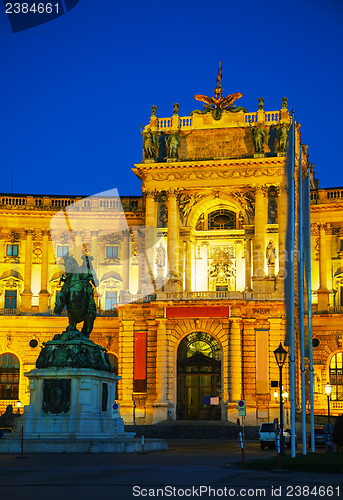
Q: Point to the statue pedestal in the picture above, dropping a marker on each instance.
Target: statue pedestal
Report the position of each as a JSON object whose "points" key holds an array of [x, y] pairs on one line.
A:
{"points": [[72, 403]]}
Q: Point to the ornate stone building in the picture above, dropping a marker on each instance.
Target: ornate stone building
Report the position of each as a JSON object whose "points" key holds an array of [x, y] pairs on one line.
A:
{"points": [[191, 275]]}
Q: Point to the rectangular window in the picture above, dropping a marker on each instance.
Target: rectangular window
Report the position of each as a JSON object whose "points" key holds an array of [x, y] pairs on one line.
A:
{"points": [[62, 251], [12, 250], [111, 252], [111, 300], [140, 362], [10, 299]]}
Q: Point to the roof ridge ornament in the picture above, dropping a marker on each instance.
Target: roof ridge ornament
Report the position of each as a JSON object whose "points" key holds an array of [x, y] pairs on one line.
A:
{"points": [[217, 104]]}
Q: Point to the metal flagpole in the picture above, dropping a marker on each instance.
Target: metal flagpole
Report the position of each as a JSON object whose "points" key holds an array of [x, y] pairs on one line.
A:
{"points": [[309, 302], [291, 282], [301, 301]]}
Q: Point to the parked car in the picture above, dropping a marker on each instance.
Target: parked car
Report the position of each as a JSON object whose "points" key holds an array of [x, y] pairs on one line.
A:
{"points": [[267, 436], [319, 437]]}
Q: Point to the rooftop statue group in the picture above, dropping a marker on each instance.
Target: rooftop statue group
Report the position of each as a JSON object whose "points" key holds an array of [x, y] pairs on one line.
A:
{"points": [[161, 146], [158, 145]]}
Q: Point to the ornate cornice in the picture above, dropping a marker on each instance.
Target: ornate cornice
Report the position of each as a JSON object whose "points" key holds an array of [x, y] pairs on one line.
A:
{"points": [[207, 175]]}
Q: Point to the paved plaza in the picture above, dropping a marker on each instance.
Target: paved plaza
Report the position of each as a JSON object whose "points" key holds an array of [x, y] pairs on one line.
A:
{"points": [[186, 469]]}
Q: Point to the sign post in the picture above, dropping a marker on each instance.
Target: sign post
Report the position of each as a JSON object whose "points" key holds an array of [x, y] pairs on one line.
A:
{"points": [[241, 413]]}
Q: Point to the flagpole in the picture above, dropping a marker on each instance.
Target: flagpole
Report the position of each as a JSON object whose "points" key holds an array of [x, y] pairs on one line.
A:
{"points": [[291, 281], [309, 301], [301, 301]]}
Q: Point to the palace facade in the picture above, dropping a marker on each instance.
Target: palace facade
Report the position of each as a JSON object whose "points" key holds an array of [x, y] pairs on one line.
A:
{"points": [[191, 276]]}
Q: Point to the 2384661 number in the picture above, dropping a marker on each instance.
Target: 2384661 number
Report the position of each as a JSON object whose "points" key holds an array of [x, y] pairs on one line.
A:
{"points": [[34, 8]]}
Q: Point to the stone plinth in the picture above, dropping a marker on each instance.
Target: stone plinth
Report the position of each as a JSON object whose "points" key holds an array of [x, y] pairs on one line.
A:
{"points": [[71, 403]]}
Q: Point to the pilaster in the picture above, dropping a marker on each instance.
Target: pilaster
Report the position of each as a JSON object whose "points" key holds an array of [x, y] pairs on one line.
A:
{"points": [[44, 294], [162, 404], [322, 292], [126, 357], [26, 296]]}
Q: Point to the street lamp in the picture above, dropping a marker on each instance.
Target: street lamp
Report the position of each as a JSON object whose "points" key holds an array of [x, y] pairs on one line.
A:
{"points": [[18, 406], [280, 355], [328, 389]]}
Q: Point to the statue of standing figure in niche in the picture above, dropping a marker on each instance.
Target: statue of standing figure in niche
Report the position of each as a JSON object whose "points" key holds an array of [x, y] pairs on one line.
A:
{"points": [[282, 136], [270, 253], [173, 144], [160, 256], [259, 137]]}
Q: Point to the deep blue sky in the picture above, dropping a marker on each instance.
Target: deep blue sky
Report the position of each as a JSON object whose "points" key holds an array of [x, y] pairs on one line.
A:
{"points": [[74, 90]]}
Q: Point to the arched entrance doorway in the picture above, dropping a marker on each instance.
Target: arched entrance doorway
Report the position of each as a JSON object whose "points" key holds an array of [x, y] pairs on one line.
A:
{"points": [[198, 378]]}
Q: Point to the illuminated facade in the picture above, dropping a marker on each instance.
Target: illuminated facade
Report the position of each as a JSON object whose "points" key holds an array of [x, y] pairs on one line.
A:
{"points": [[203, 337]]}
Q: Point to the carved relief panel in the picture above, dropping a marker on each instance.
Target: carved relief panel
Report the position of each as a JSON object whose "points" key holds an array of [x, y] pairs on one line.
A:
{"points": [[222, 268]]}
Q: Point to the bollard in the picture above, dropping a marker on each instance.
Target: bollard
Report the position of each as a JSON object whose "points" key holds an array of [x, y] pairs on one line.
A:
{"points": [[278, 447], [22, 441], [142, 443], [241, 439]]}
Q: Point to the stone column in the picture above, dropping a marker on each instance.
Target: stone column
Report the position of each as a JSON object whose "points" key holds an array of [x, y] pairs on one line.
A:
{"points": [[248, 264], [2, 247], [322, 292], [161, 405], [259, 239], [126, 261], [94, 253], [44, 294], [189, 255], [125, 368], [78, 248], [173, 236], [141, 258], [26, 296], [150, 229]]}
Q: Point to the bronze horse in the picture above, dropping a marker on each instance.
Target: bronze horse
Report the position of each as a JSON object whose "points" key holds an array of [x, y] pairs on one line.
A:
{"points": [[78, 297]]}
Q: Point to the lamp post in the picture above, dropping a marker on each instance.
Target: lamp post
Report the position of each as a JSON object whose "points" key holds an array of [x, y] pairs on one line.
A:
{"points": [[328, 389], [280, 355], [18, 407]]}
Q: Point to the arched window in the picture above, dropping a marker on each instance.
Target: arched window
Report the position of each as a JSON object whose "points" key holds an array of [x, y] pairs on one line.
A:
{"points": [[9, 376], [222, 219], [336, 379], [114, 362]]}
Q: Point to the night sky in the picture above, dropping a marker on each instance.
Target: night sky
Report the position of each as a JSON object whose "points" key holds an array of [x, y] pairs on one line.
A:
{"points": [[75, 90]]}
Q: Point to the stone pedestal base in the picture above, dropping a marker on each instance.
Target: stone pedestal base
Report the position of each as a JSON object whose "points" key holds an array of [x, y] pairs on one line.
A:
{"points": [[173, 285], [72, 403], [162, 410], [26, 301], [323, 300], [264, 284], [43, 302]]}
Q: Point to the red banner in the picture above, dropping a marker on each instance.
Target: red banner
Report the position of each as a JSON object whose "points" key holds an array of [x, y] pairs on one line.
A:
{"points": [[140, 356]]}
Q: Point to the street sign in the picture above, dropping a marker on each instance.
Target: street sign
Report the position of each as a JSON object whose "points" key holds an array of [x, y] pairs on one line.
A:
{"points": [[241, 408], [115, 408]]}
